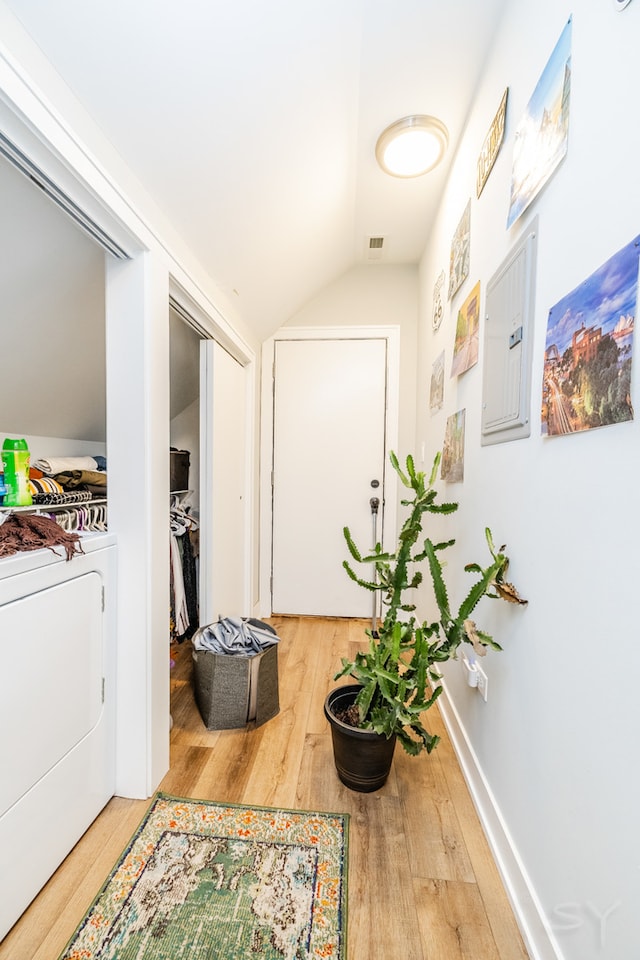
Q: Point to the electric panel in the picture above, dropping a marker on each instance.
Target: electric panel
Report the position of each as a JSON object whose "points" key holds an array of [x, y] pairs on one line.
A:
{"points": [[508, 332]]}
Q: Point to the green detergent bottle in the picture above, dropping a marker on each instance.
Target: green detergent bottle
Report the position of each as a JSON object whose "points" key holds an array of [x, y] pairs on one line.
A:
{"points": [[16, 459]]}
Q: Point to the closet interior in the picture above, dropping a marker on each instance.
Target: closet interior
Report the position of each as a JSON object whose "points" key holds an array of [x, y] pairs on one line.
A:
{"points": [[52, 386], [184, 502]]}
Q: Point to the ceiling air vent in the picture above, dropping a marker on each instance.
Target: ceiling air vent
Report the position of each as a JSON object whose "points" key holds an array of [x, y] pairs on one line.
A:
{"points": [[374, 248]]}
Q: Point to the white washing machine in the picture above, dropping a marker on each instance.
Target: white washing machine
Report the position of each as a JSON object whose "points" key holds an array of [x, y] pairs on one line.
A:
{"points": [[57, 724]]}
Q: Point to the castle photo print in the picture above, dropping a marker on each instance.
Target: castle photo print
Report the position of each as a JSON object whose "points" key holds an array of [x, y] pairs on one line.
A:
{"points": [[589, 349]]}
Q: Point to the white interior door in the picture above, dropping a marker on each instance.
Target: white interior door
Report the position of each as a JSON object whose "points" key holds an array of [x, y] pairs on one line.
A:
{"points": [[328, 447], [223, 425]]}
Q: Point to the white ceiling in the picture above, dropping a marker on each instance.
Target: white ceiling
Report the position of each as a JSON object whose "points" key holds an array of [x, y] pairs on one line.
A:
{"points": [[253, 123]]}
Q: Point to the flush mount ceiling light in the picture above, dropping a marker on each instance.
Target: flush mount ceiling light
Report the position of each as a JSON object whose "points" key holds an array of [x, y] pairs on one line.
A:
{"points": [[412, 146]]}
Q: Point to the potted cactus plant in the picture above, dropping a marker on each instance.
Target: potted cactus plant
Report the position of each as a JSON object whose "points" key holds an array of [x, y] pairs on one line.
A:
{"points": [[396, 678]]}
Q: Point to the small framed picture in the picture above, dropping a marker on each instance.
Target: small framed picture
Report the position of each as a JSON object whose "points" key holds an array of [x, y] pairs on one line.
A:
{"points": [[452, 467], [438, 306], [459, 257]]}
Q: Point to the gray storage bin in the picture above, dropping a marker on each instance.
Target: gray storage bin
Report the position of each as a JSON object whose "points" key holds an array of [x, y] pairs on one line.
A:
{"points": [[233, 689]]}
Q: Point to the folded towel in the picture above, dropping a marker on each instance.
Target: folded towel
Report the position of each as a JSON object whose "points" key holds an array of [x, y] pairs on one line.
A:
{"points": [[71, 479], [52, 465], [96, 489]]}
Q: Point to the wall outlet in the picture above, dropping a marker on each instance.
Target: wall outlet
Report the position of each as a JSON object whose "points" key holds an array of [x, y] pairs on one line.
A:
{"points": [[469, 670], [483, 682]]}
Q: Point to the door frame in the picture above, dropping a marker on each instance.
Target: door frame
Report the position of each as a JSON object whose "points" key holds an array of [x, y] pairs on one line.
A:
{"points": [[389, 333], [209, 606], [210, 332]]}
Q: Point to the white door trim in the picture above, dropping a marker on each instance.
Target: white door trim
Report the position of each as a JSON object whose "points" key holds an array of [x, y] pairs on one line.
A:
{"points": [[209, 606], [210, 325], [389, 333], [206, 459]]}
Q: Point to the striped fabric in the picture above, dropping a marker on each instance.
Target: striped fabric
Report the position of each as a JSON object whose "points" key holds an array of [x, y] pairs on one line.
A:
{"points": [[55, 499], [45, 485]]}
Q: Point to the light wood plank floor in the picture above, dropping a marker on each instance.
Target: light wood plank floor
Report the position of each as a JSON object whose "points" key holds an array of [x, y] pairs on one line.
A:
{"points": [[422, 884]]}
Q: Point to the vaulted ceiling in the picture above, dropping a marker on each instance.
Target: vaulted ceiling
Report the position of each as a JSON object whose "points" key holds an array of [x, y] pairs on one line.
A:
{"points": [[253, 123]]}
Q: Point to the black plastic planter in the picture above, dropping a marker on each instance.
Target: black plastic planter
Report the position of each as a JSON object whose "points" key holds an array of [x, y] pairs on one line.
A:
{"points": [[362, 757]]}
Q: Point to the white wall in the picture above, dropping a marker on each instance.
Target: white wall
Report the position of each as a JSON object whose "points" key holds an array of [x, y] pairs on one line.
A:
{"points": [[185, 435], [52, 377], [185, 397], [557, 740], [375, 295], [40, 447]]}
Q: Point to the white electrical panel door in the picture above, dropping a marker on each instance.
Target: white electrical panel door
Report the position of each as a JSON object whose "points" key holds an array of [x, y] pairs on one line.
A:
{"points": [[506, 388]]}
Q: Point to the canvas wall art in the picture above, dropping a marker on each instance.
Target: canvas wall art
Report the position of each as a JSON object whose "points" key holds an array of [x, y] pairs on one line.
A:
{"points": [[542, 134], [452, 466], [589, 349], [465, 348], [436, 390], [459, 257], [438, 304], [491, 146]]}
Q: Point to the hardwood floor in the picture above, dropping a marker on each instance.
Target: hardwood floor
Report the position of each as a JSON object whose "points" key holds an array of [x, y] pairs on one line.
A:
{"points": [[422, 883]]}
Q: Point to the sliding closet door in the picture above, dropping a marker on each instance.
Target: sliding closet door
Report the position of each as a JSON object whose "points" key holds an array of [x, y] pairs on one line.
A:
{"points": [[223, 426]]}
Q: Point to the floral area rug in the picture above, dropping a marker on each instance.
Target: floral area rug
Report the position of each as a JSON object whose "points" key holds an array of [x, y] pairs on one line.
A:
{"points": [[213, 881]]}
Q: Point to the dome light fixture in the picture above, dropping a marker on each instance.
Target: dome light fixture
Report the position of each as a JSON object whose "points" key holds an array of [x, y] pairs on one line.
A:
{"points": [[412, 146]]}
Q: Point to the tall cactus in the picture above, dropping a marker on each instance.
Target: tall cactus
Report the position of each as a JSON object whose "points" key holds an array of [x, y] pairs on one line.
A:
{"points": [[397, 672]]}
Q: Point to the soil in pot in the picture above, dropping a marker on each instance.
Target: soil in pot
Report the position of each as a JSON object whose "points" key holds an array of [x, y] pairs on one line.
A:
{"points": [[350, 715]]}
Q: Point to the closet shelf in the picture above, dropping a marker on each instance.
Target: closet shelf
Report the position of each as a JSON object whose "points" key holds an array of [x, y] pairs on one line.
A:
{"points": [[53, 507]]}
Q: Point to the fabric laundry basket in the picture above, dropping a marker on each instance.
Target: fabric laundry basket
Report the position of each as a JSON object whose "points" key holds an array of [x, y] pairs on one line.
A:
{"points": [[235, 673]]}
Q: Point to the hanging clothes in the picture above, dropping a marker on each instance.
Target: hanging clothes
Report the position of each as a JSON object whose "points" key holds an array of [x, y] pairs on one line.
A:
{"points": [[180, 613], [184, 613], [190, 580]]}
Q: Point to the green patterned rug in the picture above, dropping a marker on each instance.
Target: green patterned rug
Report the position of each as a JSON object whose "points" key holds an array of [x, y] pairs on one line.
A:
{"points": [[214, 881]]}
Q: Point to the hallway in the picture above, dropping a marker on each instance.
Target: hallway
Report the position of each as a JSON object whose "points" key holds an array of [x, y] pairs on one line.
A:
{"points": [[422, 884]]}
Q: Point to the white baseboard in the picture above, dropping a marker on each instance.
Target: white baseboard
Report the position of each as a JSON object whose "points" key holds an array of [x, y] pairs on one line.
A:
{"points": [[536, 933]]}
